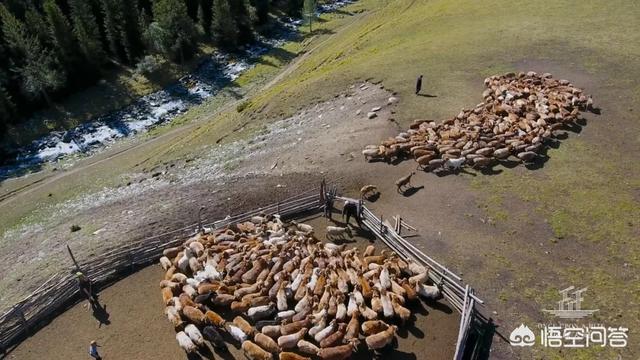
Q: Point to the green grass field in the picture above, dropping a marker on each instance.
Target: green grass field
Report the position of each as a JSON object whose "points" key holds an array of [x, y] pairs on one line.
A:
{"points": [[588, 193]]}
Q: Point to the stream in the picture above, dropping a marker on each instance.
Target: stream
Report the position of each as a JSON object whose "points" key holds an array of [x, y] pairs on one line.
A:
{"points": [[212, 75]]}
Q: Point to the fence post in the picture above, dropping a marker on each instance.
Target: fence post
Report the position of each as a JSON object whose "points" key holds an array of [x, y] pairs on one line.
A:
{"points": [[73, 259]]}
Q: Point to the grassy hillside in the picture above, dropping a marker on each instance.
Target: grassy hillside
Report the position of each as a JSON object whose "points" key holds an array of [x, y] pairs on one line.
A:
{"points": [[586, 198], [572, 222]]}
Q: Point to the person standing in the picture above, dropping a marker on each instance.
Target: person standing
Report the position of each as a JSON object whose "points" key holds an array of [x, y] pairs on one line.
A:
{"points": [[418, 84], [93, 350]]}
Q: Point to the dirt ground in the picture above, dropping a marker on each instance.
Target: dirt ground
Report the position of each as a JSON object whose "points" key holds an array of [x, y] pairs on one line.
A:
{"points": [[227, 179], [137, 328], [513, 257]]}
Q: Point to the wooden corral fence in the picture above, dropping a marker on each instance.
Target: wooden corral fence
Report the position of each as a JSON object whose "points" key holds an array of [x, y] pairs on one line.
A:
{"points": [[460, 296], [62, 290]]}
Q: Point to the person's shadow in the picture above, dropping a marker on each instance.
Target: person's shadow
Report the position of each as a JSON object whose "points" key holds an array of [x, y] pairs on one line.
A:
{"points": [[427, 95], [100, 312]]}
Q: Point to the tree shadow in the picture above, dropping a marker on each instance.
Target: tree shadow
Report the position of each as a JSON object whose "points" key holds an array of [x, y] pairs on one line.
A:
{"points": [[342, 12], [321, 31], [281, 54]]}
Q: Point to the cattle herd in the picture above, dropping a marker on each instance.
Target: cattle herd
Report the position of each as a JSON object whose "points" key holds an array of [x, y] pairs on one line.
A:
{"points": [[276, 291], [520, 112]]}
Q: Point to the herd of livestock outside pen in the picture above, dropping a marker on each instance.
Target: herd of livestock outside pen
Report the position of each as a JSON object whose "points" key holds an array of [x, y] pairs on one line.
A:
{"points": [[237, 267], [287, 289]]}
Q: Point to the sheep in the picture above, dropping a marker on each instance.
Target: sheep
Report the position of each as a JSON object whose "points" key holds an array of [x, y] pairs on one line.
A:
{"points": [[290, 341], [454, 164], [427, 291], [236, 332], [213, 336], [172, 252], [341, 352], [527, 156], [165, 263], [211, 317], [370, 154], [194, 334], [272, 331], [320, 335], [167, 295], [338, 232], [291, 356], [368, 191], [307, 229], [197, 248], [335, 338], [307, 347], [243, 325], [174, 317], [424, 161], [255, 352], [194, 315], [373, 327], [381, 339], [404, 181], [185, 343], [266, 343], [295, 326], [261, 312]]}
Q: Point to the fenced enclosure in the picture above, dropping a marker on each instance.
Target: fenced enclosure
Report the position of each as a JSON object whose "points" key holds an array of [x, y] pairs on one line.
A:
{"points": [[61, 290]]}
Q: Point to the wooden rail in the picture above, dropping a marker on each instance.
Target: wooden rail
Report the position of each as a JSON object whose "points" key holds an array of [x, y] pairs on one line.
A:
{"points": [[61, 290], [461, 298]]}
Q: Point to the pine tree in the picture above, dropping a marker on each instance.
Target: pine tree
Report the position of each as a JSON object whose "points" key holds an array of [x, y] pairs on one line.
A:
{"points": [[201, 20], [34, 64], [7, 107], [309, 11], [262, 10], [86, 29], [224, 29], [173, 31], [37, 26], [294, 7], [61, 34], [132, 32], [144, 20], [113, 22], [242, 10]]}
